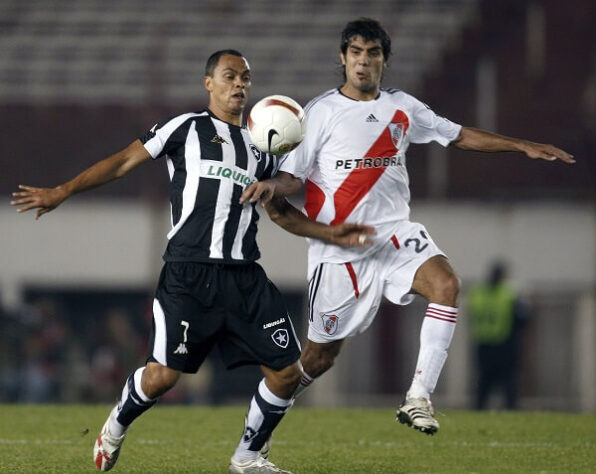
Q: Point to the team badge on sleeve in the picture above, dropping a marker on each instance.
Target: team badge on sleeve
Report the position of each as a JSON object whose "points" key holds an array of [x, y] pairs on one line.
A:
{"points": [[330, 323]]}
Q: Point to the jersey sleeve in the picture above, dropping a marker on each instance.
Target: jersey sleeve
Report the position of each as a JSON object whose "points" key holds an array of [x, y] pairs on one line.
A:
{"points": [[427, 126], [165, 137], [300, 161]]}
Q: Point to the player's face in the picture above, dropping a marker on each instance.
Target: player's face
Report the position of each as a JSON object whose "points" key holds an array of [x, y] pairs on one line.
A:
{"points": [[228, 88], [364, 63]]}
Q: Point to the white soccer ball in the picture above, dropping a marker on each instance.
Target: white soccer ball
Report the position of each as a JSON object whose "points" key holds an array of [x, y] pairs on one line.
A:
{"points": [[276, 124]]}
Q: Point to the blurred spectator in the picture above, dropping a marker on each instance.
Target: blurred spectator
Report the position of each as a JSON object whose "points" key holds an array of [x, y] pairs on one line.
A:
{"points": [[44, 350], [118, 352], [497, 316]]}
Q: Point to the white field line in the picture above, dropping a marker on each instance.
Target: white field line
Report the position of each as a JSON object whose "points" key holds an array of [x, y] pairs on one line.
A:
{"points": [[365, 443]]}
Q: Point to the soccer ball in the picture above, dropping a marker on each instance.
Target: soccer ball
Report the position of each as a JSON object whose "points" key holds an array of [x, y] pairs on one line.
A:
{"points": [[276, 124]]}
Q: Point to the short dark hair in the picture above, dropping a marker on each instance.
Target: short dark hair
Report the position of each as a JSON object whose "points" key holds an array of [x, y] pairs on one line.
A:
{"points": [[213, 60], [370, 30]]}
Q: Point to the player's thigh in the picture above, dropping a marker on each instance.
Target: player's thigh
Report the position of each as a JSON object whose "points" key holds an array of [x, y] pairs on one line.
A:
{"points": [[406, 260], [259, 329], [157, 379], [186, 323], [343, 299]]}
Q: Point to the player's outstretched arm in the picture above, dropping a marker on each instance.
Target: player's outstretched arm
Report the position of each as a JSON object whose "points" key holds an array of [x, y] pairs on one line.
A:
{"points": [[282, 184], [291, 219], [108, 169], [481, 140]]}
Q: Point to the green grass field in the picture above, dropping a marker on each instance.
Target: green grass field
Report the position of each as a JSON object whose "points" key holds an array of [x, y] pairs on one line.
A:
{"points": [[174, 439]]}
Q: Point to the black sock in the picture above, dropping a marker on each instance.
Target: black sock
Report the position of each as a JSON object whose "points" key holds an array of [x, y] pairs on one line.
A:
{"points": [[134, 402]]}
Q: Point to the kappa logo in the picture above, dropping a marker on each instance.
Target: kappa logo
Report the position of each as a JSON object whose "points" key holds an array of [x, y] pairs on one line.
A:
{"points": [[218, 139], [151, 133], [371, 118], [181, 349], [281, 338], [330, 323]]}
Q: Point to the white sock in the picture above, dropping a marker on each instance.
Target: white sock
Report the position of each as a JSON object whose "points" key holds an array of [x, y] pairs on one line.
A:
{"points": [[115, 428], [305, 382], [435, 337]]}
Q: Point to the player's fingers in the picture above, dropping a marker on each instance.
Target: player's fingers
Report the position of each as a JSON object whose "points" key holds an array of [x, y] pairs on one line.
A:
{"points": [[21, 193], [28, 188], [266, 196], [364, 241], [248, 192], [27, 207], [565, 157], [366, 229], [360, 228], [551, 153], [18, 202], [256, 195]]}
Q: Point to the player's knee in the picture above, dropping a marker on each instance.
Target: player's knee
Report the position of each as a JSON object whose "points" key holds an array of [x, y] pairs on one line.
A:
{"points": [[290, 376], [158, 379], [284, 382], [447, 290]]}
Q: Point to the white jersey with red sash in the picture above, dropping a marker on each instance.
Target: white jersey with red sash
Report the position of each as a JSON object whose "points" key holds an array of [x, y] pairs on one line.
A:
{"points": [[353, 160]]}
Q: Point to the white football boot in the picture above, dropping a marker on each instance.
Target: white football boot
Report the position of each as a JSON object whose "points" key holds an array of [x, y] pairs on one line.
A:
{"points": [[419, 414], [257, 466], [107, 448], [266, 449]]}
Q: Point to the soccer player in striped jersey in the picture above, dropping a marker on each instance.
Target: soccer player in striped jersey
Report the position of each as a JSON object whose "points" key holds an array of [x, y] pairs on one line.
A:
{"points": [[210, 291], [353, 160]]}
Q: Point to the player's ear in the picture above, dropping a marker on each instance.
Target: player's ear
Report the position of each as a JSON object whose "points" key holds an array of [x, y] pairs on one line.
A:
{"points": [[208, 83], [342, 58]]}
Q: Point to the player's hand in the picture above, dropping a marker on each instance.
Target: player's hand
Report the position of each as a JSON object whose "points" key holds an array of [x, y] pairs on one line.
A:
{"points": [[547, 152], [263, 190], [351, 235], [44, 199]]}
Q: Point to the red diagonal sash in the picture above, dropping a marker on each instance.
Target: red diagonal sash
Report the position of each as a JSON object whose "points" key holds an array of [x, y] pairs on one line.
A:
{"points": [[361, 180]]}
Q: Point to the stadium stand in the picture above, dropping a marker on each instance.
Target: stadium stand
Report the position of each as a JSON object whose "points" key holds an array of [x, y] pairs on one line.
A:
{"points": [[89, 51]]}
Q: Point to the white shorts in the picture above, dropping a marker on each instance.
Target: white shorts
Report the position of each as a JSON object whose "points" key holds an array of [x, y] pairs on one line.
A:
{"points": [[344, 297]]}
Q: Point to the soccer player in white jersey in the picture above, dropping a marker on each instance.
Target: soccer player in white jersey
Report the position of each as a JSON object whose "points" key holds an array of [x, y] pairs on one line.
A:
{"points": [[353, 161], [210, 291]]}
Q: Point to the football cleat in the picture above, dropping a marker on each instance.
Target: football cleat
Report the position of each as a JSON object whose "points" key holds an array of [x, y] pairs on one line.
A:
{"points": [[107, 448], [266, 449], [419, 414], [256, 466]]}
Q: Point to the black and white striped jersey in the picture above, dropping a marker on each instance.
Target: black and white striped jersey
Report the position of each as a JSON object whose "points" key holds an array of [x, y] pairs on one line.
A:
{"points": [[210, 162]]}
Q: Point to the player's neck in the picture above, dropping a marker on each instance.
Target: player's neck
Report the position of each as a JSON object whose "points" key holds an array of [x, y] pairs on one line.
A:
{"points": [[349, 91], [234, 119]]}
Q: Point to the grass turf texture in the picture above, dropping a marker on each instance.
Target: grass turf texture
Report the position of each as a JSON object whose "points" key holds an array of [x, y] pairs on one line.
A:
{"points": [[182, 439]]}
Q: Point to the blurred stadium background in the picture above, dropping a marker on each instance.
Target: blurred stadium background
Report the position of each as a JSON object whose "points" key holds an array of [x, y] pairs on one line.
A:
{"points": [[80, 79]]}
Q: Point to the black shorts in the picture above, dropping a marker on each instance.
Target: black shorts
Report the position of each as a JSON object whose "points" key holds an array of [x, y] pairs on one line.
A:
{"points": [[199, 305]]}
